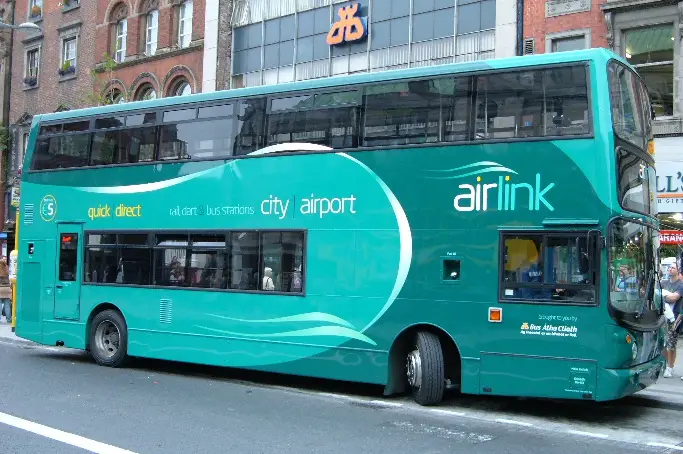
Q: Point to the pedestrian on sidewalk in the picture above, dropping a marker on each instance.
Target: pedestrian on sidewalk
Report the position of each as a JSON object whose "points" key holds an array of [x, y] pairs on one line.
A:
{"points": [[5, 291], [674, 285]]}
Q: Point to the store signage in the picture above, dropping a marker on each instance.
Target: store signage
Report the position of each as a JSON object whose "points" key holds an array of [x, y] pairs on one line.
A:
{"points": [[669, 186], [670, 237], [349, 28], [15, 197]]}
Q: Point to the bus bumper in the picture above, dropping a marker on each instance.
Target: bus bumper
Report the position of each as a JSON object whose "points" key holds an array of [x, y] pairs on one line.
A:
{"points": [[617, 383]]}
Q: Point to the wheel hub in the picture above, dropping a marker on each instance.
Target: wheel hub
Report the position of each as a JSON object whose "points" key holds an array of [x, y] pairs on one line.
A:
{"points": [[414, 369], [107, 339]]}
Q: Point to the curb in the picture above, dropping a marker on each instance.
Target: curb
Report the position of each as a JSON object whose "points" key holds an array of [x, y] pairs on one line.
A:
{"points": [[17, 341], [653, 401]]}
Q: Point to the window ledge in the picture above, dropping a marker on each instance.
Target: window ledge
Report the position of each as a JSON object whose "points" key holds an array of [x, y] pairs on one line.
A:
{"points": [[66, 77], [667, 125], [67, 8], [162, 53], [31, 87], [36, 19], [612, 5], [31, 39]]}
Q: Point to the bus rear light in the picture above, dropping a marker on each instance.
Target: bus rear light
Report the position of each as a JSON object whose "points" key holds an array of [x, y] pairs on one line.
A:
{"points": [[629, 339], [495, 314]]}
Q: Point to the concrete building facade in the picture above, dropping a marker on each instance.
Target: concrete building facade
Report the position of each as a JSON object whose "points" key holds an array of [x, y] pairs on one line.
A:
{"points": [[278, 42]]}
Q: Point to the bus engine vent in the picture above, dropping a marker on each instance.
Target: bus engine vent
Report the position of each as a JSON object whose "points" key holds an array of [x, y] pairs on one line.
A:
{"points": [[28, 214], [165, 311]]}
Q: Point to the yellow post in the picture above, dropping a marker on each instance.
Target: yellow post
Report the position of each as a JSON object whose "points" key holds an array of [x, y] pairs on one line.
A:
{"points": [[14, 257]]}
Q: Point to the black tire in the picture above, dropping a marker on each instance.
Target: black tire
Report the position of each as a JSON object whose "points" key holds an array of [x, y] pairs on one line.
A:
{"points": [[104, 352], [431, 389]]}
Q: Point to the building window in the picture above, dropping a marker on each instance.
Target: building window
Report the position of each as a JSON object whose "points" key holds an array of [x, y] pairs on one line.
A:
{"points": [[182, 88], [68, 53], [146, 93], [152, 25], [476, 16], [32, 66], [185, 24], [121, 36], [114, 96], [35, 9], [651, 51], [569, 43], [24, 147], [247, 48], [24, 143]]}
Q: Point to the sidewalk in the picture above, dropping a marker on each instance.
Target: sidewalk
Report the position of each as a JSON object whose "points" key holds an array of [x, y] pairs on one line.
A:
{"points": [[667, 392], [6, 334]]}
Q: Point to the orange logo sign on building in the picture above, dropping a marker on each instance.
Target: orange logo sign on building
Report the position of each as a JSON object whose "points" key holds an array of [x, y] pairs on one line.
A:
{"points": [[349, 27]]}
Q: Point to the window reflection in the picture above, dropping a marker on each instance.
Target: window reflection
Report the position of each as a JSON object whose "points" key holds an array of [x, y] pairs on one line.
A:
{"points": [[549, 267]]}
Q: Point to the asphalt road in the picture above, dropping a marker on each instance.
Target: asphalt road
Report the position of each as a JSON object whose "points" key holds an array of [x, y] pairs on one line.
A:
{"points": [[163, 407]]}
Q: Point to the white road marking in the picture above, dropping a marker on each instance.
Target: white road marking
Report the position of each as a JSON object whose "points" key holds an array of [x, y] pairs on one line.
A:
{"points": [[443, 432], [386, 403], [449, 412], [664, 445], [332, 395], [64, 437], [517, 423], [587, 434]]}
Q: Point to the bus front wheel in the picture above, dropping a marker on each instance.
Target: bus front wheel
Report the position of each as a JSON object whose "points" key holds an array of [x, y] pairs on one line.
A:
{"points": [[425, 369], [109, 339]]}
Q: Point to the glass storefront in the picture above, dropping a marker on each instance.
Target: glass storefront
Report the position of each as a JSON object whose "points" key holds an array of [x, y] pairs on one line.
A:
{"points": [[669, 168]]}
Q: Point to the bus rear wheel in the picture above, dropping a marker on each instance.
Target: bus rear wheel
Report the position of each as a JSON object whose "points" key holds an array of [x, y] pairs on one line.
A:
{"points": [[425, 369], [109, 339]]}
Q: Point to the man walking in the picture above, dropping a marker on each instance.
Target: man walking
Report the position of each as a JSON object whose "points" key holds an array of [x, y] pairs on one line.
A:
{"points": [[674, 285]]}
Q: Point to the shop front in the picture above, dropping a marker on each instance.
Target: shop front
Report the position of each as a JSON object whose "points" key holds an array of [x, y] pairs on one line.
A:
{"points": [[669, 167]]}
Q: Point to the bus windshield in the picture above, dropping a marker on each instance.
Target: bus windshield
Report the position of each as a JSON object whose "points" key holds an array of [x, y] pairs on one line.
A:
{"points": [[633, 273], [630, 106]]}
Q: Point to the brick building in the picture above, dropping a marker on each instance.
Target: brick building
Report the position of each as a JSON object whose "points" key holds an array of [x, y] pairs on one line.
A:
{"points": [[49, 68], [649, 35], [645, 32], [157, 46], [6, 39], [560, 25]]}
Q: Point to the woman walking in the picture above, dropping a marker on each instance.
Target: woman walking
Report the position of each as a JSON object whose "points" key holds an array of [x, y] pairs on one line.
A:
{"points": [[5, 291]]}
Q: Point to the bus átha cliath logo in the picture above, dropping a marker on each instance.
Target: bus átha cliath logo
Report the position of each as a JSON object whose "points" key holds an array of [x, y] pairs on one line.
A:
{"points": [[502, 193]]}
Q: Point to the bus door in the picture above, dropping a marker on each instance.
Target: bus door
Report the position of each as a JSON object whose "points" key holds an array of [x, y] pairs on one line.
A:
{"points": [[68, 271]]}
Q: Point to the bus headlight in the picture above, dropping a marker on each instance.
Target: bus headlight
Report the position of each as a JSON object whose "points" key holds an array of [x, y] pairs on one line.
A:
{"points": [[634, 351]]}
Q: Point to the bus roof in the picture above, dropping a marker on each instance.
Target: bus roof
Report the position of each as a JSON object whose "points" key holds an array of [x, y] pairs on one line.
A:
{"points": [[599, 54]]}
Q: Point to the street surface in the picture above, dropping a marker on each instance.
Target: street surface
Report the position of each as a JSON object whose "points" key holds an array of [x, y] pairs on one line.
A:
{"points": [[58, 401]]}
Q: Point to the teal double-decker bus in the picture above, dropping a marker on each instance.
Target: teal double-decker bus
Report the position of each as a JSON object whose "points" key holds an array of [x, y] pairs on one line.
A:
{"points": [[488, 227]]}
